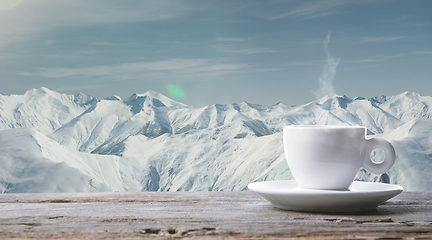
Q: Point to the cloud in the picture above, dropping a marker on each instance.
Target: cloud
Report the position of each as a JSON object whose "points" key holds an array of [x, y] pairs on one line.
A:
{"points": [[172, 67], [383, 58], [74, 87], [304, 63], [237, 46], [385, 39], [422, 53], [372, 59], [86, 52], [314, 9], [379, 39], [31, 18], [244, 51], [302, 10], [232, 39]]}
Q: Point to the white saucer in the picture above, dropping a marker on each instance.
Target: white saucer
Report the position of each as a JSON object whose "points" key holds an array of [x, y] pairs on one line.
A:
{"points": [[361, 196]]}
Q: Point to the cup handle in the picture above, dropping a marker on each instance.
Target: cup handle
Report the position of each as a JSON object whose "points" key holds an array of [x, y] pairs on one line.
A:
{"points": [[389, 156]]}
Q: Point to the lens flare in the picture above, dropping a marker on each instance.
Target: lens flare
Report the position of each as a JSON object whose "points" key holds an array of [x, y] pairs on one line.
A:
{"points": [[176, 91], [9, 4]]}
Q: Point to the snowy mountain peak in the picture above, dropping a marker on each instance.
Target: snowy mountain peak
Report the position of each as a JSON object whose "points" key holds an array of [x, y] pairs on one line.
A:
{"points": [[168, 102], [39, 93], [83, 100], [45, 95], [379, 99], [41, 90], [405, 95], [113, 98], [336, 101], [411, 94], [41, 109], [153, 94], [152, 99]]}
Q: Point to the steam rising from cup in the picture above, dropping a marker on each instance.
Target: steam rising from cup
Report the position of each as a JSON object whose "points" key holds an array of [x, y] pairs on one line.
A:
{"points": [[328, 73]]}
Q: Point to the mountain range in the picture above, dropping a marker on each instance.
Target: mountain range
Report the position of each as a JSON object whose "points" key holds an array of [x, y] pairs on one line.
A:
{"points": [[53, 142]]}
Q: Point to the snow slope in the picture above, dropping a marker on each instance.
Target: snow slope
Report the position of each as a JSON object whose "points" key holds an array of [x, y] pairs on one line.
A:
{"points": [[31, 162], [54, 142]]}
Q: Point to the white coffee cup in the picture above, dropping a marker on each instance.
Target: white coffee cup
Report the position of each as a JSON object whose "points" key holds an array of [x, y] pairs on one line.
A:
{"points": [[329, 157]]}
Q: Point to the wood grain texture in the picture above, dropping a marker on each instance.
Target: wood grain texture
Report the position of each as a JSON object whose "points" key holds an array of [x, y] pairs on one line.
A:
{"points": [[201, 215]]}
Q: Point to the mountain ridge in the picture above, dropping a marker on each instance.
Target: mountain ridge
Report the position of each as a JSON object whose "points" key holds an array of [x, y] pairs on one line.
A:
{"points": [[148, 142]]}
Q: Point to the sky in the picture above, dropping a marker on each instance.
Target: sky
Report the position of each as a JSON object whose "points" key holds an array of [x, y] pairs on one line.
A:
{"points": [[206, 52]]}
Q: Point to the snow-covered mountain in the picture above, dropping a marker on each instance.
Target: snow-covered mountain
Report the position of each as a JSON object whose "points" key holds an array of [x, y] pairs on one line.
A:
{"points": [[52, 142]]}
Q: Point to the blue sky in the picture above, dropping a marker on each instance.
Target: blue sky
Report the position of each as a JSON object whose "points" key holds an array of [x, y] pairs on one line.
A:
{"points": [[205, 52]]}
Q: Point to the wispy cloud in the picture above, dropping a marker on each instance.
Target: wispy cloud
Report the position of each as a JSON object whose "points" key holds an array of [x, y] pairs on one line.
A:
{"points": [[379, 39], [74, 87], [170, 67], [422, 53], [39, 17], [232, 39], [100, 43], [304, 63], [239, 46], [86, 52], [314, 9], [383, 58], [244, 51], [302, 10], [371, 59]]}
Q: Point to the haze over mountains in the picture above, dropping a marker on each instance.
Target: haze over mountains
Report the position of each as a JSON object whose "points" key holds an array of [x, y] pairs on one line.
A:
{"points": [[52, 142]]}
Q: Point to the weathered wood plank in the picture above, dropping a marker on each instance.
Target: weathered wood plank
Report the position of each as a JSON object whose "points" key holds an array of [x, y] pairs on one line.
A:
{"points": [[200, 215]]}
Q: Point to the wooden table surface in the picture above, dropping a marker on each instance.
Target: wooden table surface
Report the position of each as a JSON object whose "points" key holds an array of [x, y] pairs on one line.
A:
{"points": [[202, 215]]}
